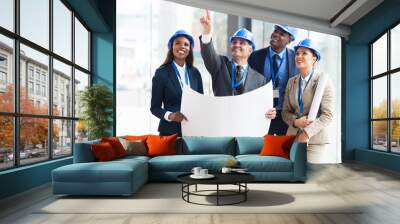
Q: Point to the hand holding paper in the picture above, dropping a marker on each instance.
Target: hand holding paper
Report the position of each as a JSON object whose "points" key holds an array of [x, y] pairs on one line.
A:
{"points": [[302, 122], [270, 114], [177, 117]]}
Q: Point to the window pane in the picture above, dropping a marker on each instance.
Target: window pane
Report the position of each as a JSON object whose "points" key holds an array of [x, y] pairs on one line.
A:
{"points": [[33, 139], [395, 138], [62, 137], [6, 142], [81, 131], [128, 48], [62, 29], [379, 135], [6, 74], [62, 89], [395, 47], [395, 95], [81, 81], [35, 21], [379, 55], [81, 45], [379, 98], [7, 14], [34, 82]]}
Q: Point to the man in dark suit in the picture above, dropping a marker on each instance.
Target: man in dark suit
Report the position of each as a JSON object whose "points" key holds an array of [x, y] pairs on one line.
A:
{"points": [[230, 77], [277, 64]]}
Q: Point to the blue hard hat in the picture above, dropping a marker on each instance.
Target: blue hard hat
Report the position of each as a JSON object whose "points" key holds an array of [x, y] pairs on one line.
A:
{"points": [[178, 34], [243, 33], [290, 30], [307, 43]]}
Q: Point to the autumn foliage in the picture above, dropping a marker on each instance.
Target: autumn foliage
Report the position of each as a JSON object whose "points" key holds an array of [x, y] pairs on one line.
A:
{"points": [[33, 131], [380, 127]]}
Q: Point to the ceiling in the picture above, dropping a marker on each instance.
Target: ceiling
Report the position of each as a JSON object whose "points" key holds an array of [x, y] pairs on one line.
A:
{"points": [[327, 16]]}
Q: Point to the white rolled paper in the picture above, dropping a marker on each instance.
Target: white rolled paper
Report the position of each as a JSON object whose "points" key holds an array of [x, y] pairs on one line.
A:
{"points": [[319, 92]]}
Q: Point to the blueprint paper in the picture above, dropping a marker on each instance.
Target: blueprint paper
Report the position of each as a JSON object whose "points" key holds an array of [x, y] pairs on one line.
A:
{"points": [[319, 92], [242, 115]]}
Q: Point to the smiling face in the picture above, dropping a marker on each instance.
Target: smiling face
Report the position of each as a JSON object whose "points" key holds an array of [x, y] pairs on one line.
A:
{"points": [[181, 48], [305, 58], [240, 48], [279, 40]]}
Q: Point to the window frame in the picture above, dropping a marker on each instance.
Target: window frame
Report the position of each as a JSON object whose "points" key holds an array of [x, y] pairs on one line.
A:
{"points": [[388, 74], [15, 71]]}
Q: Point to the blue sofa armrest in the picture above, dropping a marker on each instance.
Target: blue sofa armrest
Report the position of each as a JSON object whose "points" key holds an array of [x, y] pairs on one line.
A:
{"points": [[298, 155], [83, 152]]}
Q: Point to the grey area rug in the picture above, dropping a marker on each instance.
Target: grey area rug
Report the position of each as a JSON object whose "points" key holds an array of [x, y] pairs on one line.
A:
{"points": [[166, 198]]}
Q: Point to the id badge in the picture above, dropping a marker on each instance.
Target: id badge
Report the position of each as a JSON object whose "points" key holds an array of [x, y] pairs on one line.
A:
{"points": [[276, 93]]}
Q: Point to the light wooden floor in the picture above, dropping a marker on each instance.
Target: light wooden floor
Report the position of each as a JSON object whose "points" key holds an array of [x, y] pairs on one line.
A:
{"points": [[377, 188]]}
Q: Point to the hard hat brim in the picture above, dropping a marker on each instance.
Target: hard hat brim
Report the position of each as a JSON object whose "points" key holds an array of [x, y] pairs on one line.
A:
{"points": [[292, 35], [315, 52], [248, 41], [180, 34]]}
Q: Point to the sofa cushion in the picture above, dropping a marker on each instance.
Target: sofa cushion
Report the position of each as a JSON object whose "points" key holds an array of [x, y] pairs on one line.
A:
{"points": [[208, 145], [135, 147], [135, 137], [257, 163], [83, 152], [142, 138], [116, 145], [131, 158], [93, 172], [249, 145], [161, 145], [185, 163], [277, 145], [111, 171], [103, 152]]}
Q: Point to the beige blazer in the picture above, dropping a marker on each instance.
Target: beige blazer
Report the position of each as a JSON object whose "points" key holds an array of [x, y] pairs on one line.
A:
{"points": [[317, 130]]}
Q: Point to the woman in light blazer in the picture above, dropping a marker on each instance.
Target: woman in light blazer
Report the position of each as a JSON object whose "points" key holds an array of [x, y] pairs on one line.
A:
{"points": [[299, 95], [170, 78]]}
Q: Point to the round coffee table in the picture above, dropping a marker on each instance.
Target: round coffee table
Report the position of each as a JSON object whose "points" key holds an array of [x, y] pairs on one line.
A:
{"points": [[238, 179]]}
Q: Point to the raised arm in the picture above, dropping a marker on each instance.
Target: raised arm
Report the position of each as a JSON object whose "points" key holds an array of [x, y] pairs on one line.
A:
{"points": [[211, 59], [206, 23]]}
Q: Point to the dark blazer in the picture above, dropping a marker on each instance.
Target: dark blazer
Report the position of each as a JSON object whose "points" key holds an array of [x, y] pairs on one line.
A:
{"points": [[166, 95], [257, 61], [220, 66]]}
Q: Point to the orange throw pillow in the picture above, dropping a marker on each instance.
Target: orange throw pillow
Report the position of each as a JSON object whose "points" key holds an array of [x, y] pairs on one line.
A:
{"points": [[103, 152], [161, 145], [277, 145], [116, 145], [136, 138]]}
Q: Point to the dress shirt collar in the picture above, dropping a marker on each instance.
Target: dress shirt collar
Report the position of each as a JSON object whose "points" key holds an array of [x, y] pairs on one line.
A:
{"points": [[243, 66], [307, 77], [281, 54], [180, 68]]}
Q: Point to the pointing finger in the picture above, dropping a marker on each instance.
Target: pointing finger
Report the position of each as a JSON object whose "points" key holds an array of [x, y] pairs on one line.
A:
{"points": [[208, 14]]}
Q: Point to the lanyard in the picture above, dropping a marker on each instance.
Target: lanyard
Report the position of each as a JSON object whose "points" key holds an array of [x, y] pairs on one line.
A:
{"points": [[299, 92], [179, 76], [274, 76], [235, 85]]}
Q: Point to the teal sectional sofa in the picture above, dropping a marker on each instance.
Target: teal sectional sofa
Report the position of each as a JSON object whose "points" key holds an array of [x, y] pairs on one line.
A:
{"points": [[125, 176]]}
